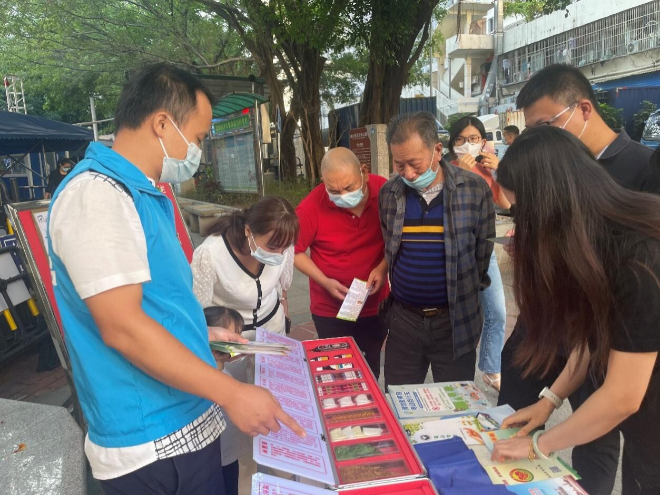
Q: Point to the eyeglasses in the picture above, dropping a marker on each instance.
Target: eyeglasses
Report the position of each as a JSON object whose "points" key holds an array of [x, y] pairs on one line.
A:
{"points": [[474, 139], [554, 119]]}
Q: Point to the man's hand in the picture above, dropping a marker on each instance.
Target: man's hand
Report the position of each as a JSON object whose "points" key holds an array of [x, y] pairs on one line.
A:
{"points": [[377, 277], [219, 333], [489, 160], [467, 162], [508, 248], [255, 411], [336, 290]]}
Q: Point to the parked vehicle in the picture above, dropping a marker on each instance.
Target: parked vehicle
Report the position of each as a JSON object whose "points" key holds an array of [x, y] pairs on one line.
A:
{"points": [[494, 133], [651, 134]]}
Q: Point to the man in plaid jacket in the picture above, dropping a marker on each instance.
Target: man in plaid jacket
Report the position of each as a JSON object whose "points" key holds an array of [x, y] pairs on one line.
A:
{"points": [[436, 219]]}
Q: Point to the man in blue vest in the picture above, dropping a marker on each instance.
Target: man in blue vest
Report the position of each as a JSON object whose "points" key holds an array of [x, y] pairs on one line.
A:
{"points": [[137, 337]]}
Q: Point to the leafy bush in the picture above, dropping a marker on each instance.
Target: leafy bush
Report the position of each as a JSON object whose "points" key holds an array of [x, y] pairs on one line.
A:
{"points": [[613, 117]]}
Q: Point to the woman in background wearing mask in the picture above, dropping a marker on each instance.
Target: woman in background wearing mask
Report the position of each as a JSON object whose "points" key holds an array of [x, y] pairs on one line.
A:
{"points": [[466, 144], [246, 264]]}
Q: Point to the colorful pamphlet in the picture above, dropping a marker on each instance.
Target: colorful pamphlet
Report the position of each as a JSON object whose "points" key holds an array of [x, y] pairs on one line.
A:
{"points": [[466, 427], [354, 301], [490, 437], [558, 486], [524, 470], [437, 399]]}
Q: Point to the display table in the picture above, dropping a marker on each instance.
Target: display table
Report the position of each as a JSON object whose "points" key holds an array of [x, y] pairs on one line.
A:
{"points": [[41, 450]]}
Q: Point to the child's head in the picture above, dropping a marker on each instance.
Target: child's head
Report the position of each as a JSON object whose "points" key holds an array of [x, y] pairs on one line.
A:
{"points": [[218, 316]]}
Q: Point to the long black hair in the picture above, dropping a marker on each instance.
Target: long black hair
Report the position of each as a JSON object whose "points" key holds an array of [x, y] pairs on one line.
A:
{"points": [[576, 229], [459, 126]]}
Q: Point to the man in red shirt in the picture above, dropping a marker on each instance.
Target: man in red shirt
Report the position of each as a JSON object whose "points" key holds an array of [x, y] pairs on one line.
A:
{"points": [[339, 225]]}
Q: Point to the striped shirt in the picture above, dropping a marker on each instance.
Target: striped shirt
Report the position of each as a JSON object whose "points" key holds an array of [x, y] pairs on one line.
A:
{"points": [[419, 274], [469, 219]]}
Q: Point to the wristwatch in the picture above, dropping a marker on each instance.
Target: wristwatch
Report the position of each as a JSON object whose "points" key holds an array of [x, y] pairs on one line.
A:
{"points": [[551, 396]]}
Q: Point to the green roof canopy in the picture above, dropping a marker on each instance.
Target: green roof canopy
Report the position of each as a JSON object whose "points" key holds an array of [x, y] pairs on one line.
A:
{"points": [[235, 102]]}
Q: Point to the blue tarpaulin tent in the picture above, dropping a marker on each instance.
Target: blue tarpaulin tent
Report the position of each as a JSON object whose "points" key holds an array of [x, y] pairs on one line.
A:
{"points": [[24, 142], [21, 133]]}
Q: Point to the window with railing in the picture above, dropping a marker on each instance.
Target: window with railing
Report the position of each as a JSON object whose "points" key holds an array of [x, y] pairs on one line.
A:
{"points": [[625, 33]]}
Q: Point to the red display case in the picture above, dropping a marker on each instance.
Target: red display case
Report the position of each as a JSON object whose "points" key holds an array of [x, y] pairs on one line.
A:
{"points": [[366, 442]]}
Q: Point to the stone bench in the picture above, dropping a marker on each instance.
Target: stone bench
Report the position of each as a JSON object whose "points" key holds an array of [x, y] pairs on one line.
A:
{"points": [[203, 215]]}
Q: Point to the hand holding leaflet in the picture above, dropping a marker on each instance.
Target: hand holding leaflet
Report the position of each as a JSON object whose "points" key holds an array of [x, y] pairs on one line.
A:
{"points": [[355, 300]]}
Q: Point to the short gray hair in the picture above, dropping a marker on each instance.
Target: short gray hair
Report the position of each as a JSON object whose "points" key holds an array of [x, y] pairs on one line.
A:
{"points": [[402, 128]]}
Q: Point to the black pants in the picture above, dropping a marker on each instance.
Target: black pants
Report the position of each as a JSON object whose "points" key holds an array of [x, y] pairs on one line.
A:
{"points": [[366, 331], [415, 342], [596, 461], [230, 474], [197, 473]]}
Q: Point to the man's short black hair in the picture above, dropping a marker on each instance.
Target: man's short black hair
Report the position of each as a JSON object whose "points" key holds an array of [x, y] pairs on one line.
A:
{"points": [[158, 87], [559, 82], [512, 129], [64, 160]]}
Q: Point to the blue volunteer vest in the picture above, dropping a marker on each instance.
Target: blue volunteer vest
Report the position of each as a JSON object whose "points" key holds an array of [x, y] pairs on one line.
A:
{"points": [[123, 405]]}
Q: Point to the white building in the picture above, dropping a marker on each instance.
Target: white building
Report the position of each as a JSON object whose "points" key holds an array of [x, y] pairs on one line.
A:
{"points": [[616, 43]]}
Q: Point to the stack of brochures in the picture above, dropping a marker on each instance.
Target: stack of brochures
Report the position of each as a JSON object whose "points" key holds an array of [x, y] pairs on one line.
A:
{"points": [[234, 348]]}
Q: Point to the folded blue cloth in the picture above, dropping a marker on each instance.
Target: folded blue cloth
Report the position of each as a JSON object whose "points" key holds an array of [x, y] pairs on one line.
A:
{"points": [[454, 469]]}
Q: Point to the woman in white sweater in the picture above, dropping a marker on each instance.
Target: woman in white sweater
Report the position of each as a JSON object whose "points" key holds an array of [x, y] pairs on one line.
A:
{"points": [[246, 264]]}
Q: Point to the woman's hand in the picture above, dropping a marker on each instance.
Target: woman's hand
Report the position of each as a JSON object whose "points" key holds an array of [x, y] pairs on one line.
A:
{"points": [[508, 248], [467, 162], [530, 417], [511, 449], [489, 160]]}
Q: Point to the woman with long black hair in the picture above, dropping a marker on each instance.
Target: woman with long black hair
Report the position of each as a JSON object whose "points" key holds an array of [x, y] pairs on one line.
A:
{"points": [[587, 279]]}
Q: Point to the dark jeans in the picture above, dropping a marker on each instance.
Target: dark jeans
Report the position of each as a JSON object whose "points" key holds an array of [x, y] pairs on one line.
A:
{"points": [[415, 342], [366, 331], [596, 461], [197, 473], [230, 474]]}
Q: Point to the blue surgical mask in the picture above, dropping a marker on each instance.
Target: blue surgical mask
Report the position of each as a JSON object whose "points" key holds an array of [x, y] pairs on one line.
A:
{"points": [[176, 170], [263, 256], [424, 180], [350, 199]]}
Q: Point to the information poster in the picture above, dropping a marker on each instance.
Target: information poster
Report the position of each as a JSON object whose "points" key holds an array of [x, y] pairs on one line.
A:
{"points": [[233, 153], [288, 380], [438, 399], [264, 484], [360, 145]]}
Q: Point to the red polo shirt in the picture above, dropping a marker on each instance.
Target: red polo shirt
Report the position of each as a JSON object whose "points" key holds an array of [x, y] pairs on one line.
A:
{"points": [[342, 245]]}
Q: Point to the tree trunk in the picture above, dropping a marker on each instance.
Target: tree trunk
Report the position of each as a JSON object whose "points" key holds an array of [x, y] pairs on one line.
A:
{"points": [[307, 103], [388, 75]]}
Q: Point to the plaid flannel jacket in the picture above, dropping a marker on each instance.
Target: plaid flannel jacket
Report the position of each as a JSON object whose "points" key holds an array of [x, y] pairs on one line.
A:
{"points": [[469, 220]]}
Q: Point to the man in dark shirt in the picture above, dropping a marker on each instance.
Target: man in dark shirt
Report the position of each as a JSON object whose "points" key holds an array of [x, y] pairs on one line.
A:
{"points": [[64, 166], [562, 96]]}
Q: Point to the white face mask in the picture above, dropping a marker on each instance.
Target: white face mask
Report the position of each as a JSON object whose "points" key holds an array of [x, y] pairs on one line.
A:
{"points": [[263, 256], [472, 149], [176, 170]]}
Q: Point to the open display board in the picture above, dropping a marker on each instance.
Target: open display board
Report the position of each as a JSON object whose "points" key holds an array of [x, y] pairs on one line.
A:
{"points": [[29, 221], [353, 437], [232, 141]]}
